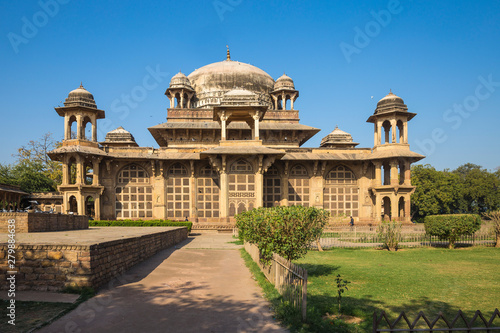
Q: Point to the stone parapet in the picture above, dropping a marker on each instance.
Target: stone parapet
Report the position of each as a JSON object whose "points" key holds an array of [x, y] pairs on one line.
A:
{"points": [[43, 222], [55, 267]]}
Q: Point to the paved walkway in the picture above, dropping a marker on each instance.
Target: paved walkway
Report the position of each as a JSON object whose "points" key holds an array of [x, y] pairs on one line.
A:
{"points": [[202, 285]]}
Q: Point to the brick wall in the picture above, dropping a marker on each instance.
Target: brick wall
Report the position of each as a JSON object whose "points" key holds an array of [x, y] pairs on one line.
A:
{"points": [[39, 222], [54, 267]]}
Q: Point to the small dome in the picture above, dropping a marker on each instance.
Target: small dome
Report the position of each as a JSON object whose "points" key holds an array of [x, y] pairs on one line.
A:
{"points": [[119, 137], [284, 82], [180, 80], [338, 139], [390, 98], [389, 103], [80, 97]]}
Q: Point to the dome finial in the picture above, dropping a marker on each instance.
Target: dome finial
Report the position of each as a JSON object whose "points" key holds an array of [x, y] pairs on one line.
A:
{"points": [[81, 84], [228, 57]]}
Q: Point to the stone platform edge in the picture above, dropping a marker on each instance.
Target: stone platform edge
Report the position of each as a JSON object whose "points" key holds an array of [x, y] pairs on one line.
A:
{"points": [[56, 267]]}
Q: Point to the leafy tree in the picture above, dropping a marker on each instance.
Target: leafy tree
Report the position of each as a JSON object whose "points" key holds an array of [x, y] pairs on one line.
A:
{"points": [[32, 178], [34, 171], [37, 152], [480, 189], [287, 231], [469, 189], [451, 227], [6, 176], [436, 191]]}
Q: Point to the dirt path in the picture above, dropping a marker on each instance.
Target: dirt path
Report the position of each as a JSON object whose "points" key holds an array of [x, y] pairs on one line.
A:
{"points": [[200, 286]]}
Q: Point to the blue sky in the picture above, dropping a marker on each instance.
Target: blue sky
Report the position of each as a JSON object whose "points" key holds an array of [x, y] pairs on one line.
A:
{"points": [[441, 57]]}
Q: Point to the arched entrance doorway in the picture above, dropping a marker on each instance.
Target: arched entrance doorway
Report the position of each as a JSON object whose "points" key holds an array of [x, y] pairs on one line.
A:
{"points": [[90, 207], [73, 205], [386, 206]]}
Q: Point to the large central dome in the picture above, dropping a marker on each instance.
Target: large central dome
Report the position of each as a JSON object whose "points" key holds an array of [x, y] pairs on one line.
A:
{"points": [[212, 81]]}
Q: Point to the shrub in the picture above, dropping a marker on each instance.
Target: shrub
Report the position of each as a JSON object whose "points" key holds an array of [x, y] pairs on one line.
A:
{"points": [[495, 218], [451, 227], [287, 231], [390, 233], [141, 223]]}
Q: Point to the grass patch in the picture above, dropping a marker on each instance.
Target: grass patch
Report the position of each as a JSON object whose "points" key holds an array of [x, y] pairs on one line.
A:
{"points": [[31, 315], [410, 280], [236, 241], [288, 316]]}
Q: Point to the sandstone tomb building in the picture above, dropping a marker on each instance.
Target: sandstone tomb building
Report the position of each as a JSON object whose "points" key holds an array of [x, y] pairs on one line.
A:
{"points": [[232, 141]]}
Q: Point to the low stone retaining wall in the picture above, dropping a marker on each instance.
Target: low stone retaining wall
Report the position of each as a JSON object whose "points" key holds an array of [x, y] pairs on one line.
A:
{"points": [[55, 267], [40, 222]]}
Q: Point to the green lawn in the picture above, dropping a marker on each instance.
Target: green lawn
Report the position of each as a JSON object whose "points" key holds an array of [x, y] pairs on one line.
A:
{"points": [[411, 280]]}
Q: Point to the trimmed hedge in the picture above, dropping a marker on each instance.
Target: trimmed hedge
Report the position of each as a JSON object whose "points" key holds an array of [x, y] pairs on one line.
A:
{"points": [[141, 223], [450, 227]]}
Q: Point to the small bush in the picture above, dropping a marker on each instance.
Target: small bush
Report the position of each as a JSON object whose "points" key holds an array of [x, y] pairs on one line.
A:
{"points": [[390, 233], [451, 227], [287, 231], [141, 223]]}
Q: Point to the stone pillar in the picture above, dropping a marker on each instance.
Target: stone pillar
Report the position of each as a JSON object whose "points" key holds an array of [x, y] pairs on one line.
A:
{"points": [[394, 131], [379, 133], [223, 119], [394, 172], [224, 195], [95, 172], [407, 209], [65, 173], [67, 128], [394, 207], [79, 127], [193, 190], [224, 189], [159, 193], [81, 204], [405, 132], [182, 100], [375, 135], [256, 127], [259, 189], [378, 173], [94, 130], [80, 170], [97, 207], [407, 174], [284, 187], [378, 208]]}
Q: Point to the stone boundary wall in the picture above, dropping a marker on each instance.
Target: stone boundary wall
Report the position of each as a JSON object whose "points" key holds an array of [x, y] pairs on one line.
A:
{"points": [[55, 267], [43, 222]]}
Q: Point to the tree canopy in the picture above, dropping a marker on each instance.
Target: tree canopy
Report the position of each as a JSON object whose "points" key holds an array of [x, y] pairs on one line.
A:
{"points": [[33, 170], [469, 189]]}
